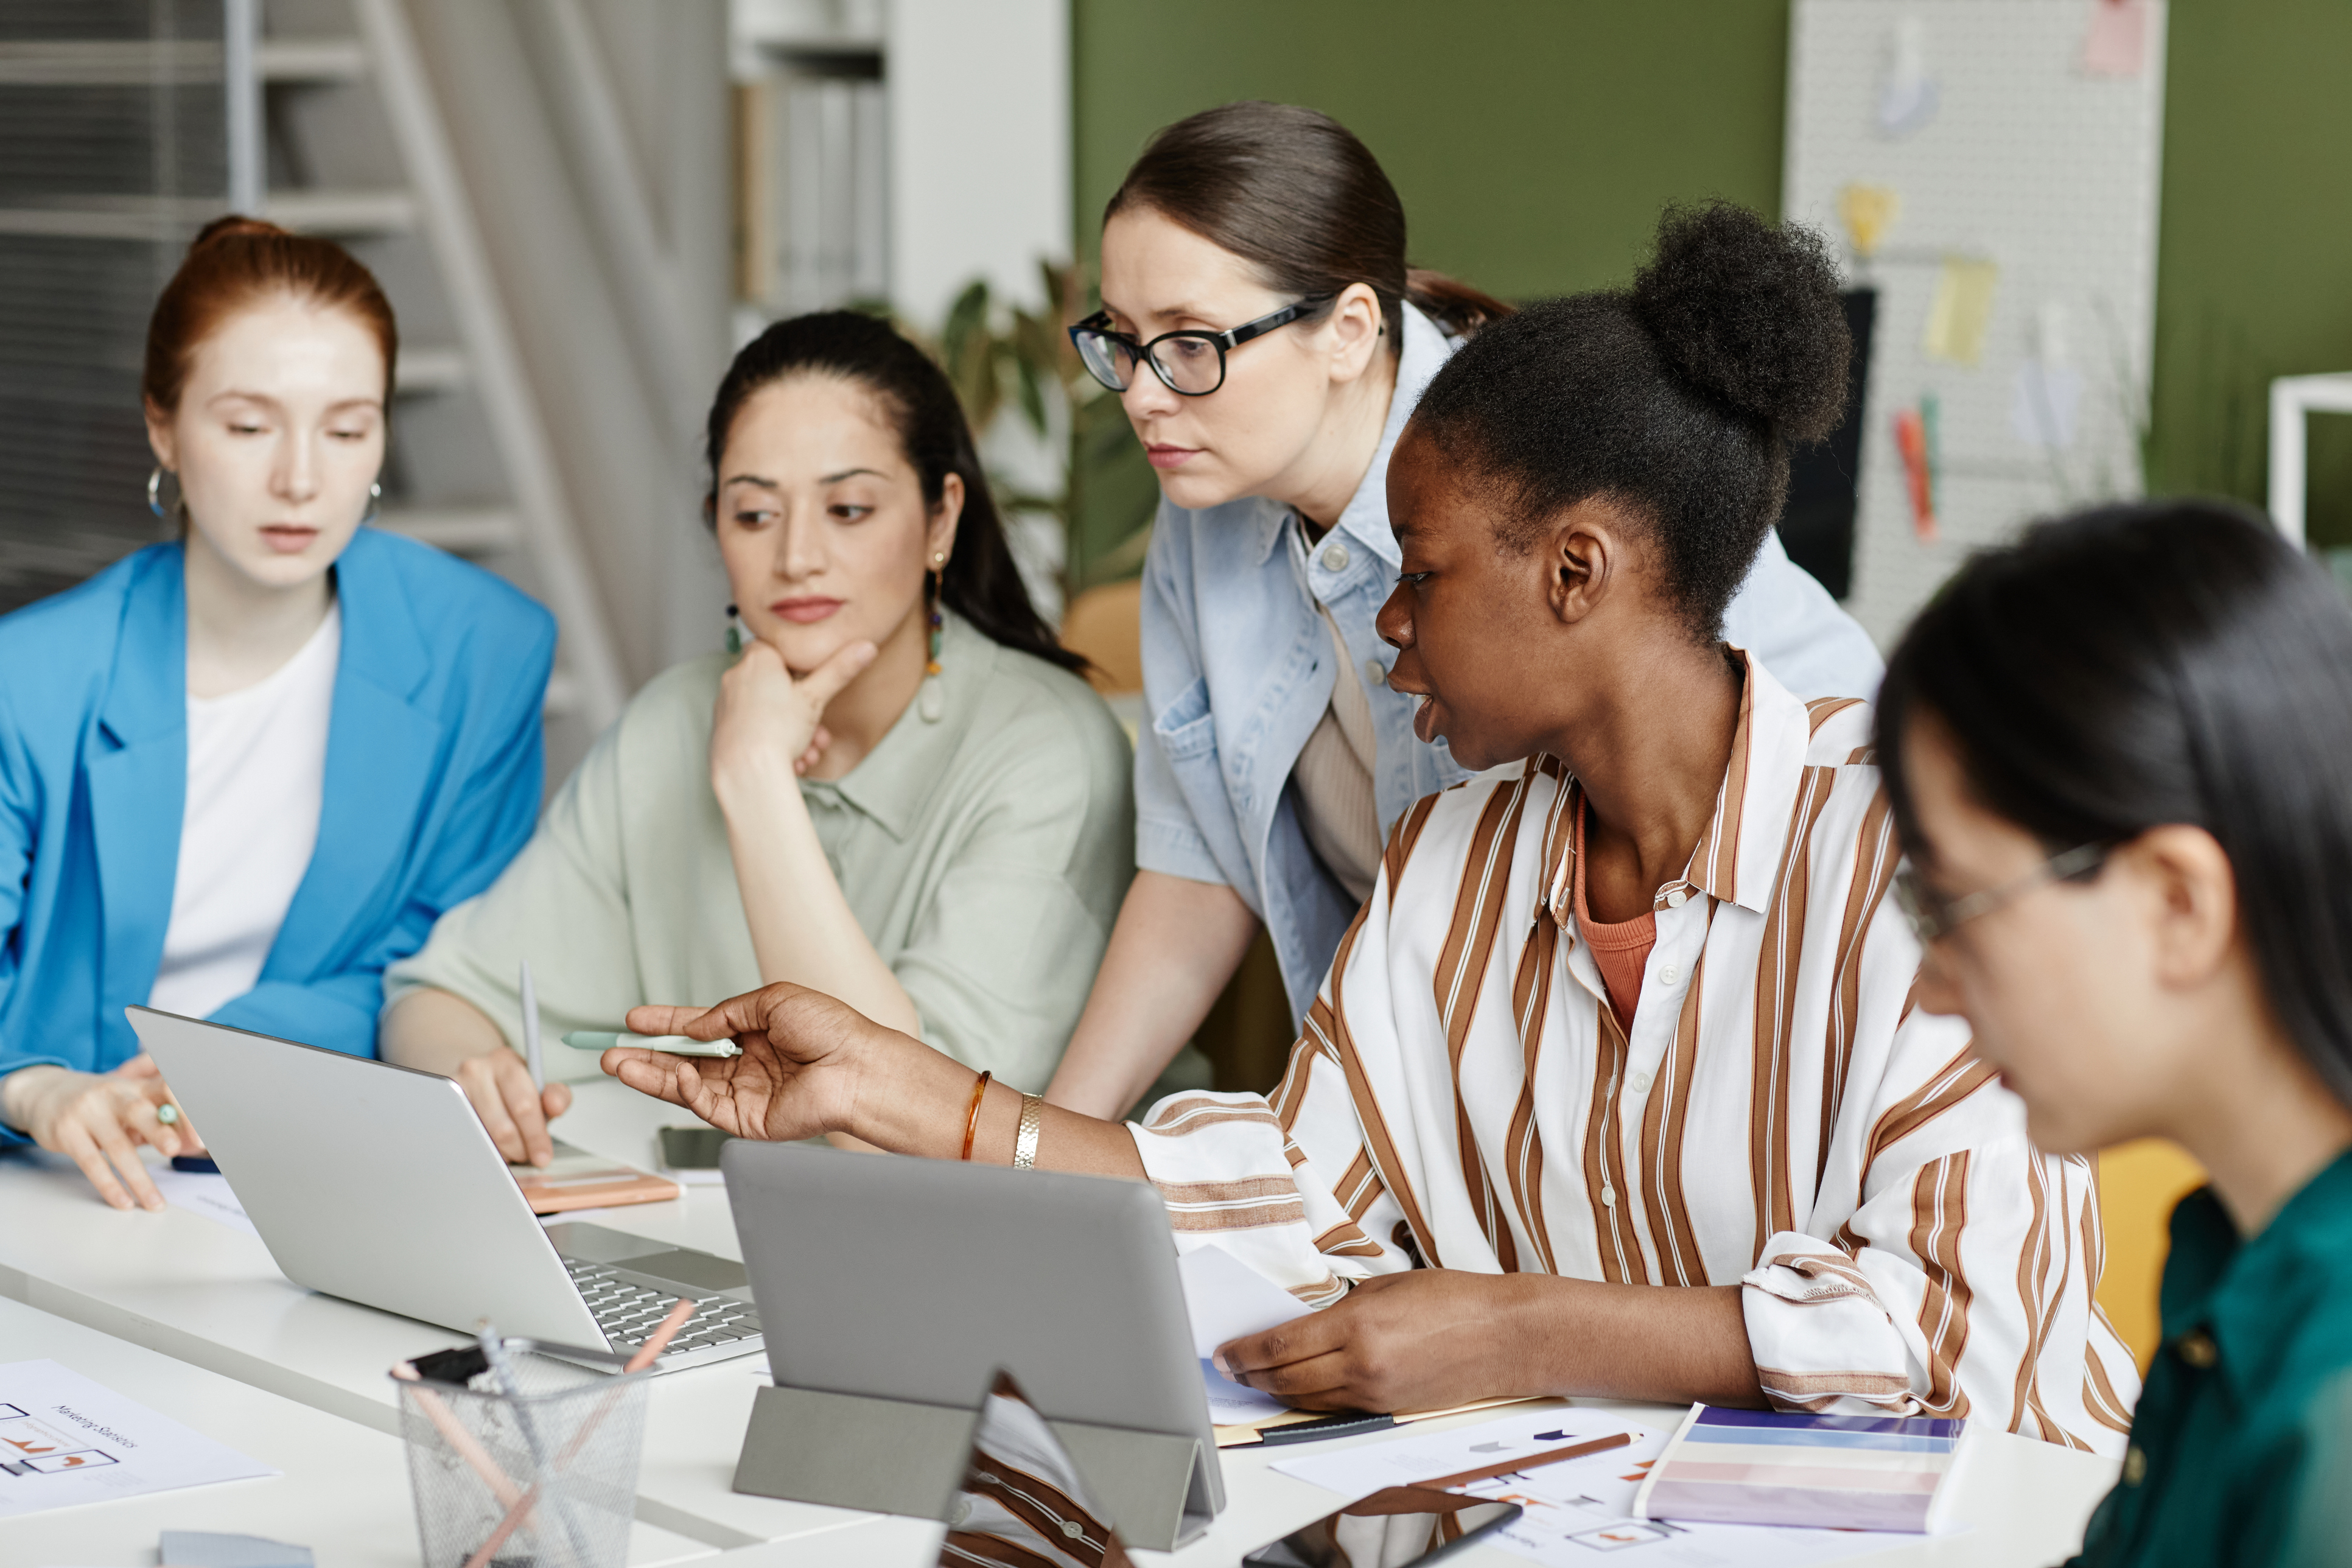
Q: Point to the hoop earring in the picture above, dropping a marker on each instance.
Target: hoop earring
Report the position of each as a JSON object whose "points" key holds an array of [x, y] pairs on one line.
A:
{"points": [[734, 632], [375, 504], [155, 495]]}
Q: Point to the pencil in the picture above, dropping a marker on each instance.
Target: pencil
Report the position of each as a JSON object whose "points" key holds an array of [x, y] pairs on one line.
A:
{"points": [[1529, 1461], [531, 1053], [519, 1508]]}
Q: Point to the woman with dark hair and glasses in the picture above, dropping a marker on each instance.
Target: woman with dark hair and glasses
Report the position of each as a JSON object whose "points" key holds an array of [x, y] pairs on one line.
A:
{"points": [[1269, 341], [2116, 754], [900, 791]]}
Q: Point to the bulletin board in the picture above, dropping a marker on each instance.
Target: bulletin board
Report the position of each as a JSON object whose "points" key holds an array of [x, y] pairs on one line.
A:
{"points": [[1990, 169]]}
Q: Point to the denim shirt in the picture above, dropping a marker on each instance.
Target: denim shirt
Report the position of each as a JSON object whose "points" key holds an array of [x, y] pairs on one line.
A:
{"points": [[1237, 672]]}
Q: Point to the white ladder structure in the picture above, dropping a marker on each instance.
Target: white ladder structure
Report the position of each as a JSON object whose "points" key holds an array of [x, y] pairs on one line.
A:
{"points": [[526, 535]]}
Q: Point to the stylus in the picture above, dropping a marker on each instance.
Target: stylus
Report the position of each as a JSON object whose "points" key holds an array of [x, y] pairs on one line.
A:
{"points": [[531, 1053], [676, 1044]]}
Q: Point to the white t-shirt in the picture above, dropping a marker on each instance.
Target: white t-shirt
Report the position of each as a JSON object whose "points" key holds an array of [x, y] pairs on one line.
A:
{"points": [[257, 773]]}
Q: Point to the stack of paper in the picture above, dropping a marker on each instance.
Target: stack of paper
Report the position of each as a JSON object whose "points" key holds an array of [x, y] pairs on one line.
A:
{"points": [[1572, 1508], [1830, 1472]]}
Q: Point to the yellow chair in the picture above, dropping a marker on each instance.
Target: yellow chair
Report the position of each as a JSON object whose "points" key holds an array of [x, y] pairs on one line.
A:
{"points": [[2139, 1182]]}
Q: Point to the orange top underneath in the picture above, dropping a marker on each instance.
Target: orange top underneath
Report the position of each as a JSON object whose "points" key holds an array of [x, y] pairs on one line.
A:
{"points": [[1622, 949]]}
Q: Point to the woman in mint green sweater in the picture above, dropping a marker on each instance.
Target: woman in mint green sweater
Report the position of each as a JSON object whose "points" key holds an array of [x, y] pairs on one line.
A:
{"points": [[900, 792]]}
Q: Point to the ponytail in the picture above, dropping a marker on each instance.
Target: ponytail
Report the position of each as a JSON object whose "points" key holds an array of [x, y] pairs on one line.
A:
{"points": [[1452, 304]]}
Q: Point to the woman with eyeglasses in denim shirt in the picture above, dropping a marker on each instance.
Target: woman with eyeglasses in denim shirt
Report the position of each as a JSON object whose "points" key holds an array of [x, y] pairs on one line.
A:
{"points": [[1269, 342]]}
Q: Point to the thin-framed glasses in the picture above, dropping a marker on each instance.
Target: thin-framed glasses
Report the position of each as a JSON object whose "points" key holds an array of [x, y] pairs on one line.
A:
{"points": [[1933, 916], [1191, 363]]}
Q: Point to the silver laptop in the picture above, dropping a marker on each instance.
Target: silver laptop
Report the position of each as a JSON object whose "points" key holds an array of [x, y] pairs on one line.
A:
{"points": [[921, 1279], [379, 1185]]}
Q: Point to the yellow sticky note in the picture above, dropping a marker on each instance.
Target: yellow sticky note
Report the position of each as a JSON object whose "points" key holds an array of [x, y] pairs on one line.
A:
{"points": [[1962, 308], [1869, 211]]}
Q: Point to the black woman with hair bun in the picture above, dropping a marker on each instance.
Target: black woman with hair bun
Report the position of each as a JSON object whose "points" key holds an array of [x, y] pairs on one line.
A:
{"points": [[2116, 753], [1615, 1087], [1268, 342], [894, 788]]}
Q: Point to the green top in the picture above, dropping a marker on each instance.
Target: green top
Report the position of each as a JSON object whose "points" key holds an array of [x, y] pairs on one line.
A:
{"points": [[984, 852], [2231, 1448]]}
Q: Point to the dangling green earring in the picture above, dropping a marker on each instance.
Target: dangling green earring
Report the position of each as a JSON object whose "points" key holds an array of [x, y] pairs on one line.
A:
{"points": [[932, 701], [734, 632]]}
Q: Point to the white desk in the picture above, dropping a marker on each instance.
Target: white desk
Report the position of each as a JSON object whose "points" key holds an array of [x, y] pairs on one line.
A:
{"points": [[195, 1290], [344, 1492], [202, 1293], [2026, 1504]]}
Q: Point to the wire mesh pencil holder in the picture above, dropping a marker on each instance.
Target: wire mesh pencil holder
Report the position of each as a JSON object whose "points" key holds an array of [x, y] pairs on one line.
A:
{"points": [[542, 1478]]}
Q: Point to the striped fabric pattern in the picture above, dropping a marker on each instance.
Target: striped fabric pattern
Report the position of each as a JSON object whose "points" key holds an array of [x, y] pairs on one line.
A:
{"points": [[1778, 1116]]}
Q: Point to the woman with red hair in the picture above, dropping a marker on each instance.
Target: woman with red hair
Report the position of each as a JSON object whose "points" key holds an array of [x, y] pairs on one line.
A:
{"points": [[243, 771]]}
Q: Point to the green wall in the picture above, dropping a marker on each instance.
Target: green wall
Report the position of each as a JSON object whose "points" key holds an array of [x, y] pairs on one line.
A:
{"points": [[1533, 142], [2254, 262]]}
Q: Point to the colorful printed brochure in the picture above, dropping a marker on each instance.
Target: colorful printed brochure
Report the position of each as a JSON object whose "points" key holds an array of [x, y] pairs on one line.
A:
{"points": [[1827, 1472]]}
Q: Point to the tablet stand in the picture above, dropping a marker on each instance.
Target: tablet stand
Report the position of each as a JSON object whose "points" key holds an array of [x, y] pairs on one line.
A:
{"points": [[892, 1455]]}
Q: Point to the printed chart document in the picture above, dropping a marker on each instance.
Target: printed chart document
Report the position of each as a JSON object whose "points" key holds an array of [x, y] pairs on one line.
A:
{"points": [[1581, 1506], [65, 1440]]}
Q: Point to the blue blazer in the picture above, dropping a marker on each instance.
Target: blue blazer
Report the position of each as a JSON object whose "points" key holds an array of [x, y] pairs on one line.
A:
{"points": [[434, 765]]}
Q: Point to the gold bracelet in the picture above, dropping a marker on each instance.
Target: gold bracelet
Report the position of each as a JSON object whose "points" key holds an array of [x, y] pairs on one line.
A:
{"points": [[1025, 1144], [971, 1117]]}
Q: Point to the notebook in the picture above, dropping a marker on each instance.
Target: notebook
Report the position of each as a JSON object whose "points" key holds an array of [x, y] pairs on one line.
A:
{"points": [[1827, 1472], [576, 1179]]}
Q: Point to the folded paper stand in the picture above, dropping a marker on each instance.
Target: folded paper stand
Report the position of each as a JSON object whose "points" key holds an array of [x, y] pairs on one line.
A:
{"points": [[891, 1455]]}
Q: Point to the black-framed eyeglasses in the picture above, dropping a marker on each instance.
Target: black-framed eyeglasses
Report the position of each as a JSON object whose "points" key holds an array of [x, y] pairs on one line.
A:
{"points": [[1934, 916], [1191, 363]]}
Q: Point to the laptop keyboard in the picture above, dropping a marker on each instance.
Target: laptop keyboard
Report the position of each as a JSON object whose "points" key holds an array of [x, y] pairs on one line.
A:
{"points": [[628, 1311]]}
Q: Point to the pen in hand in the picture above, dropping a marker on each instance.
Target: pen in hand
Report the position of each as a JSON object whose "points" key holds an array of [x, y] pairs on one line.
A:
{"points": [[530, 1051], [676, 1044]]}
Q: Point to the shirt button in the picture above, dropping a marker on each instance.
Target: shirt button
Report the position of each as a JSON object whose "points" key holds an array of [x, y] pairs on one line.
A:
{"points": [[1639, 1083], [1073, 1529], [2135, 1464], [1335, 558], [1668, 975], [1609, 1197], [1375, 674], [2198, 1349], [1677, 898]]}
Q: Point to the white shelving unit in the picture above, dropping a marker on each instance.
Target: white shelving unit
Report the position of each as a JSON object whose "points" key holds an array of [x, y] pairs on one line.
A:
{"points": [[941, 150], [2293, 398]]}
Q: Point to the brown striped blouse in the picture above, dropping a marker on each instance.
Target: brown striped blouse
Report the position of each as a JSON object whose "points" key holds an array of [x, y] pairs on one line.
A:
{"points": [[1779, 1114]]}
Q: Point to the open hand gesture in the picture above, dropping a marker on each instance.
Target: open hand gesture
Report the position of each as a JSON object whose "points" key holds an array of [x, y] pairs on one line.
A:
{"points": [[797, 1076]]}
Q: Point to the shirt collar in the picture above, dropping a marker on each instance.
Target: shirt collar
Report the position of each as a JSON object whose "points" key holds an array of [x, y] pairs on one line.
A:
{"points": [[1365, 517], [894, 781], [1740, 851], [2249, 1296]]}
